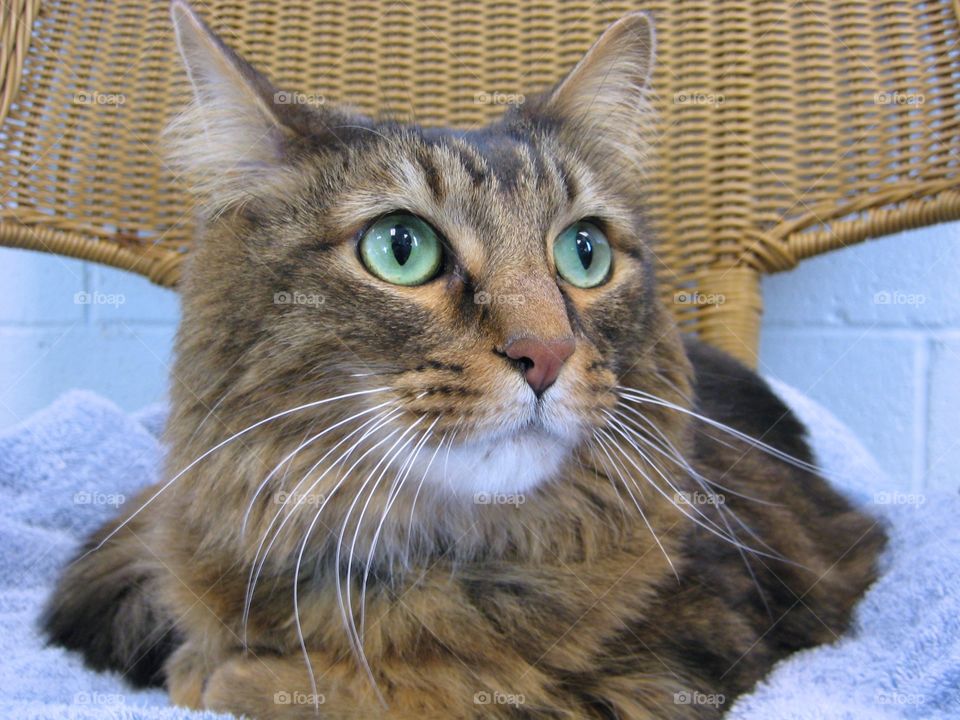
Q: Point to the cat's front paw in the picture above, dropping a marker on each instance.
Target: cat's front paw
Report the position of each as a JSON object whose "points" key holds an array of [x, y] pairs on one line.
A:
{"points": [[246, 686], [186, 672]]}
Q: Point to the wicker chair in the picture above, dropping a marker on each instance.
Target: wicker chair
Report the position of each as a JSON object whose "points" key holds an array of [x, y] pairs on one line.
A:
{"points": [[787, 129]]}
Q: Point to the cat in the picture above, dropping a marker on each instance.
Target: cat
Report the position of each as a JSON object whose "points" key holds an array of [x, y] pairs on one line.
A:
{"points": [[437, 448]]}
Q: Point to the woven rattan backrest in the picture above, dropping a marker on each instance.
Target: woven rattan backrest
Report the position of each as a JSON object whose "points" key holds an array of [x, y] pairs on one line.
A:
{"points": [[786, 128]]}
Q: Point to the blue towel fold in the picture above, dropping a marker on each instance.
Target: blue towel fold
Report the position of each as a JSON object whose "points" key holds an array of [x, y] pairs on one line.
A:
{"points": [[65, 470]]}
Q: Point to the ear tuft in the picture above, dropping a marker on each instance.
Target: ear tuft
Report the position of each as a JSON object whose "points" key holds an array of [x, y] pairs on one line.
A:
{"points": [[603, 106], [231, 141]]}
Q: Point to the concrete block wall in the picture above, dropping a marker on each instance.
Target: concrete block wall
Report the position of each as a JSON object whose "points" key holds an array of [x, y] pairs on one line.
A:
{"points": [[68, 324], [871, 332]]}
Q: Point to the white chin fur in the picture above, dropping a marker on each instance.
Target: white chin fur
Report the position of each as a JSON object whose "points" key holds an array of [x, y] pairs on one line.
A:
{"points": [[504, 466]]}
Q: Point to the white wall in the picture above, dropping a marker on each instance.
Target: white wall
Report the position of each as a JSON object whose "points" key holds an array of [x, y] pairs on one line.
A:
{"points": [[873, 333], [114, 338]]}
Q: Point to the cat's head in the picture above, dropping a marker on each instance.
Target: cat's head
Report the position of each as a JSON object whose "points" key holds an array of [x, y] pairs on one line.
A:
{"points": [[493, 285]]}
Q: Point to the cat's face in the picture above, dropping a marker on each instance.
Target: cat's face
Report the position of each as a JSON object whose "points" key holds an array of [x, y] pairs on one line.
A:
{"points": [[497, 282]]}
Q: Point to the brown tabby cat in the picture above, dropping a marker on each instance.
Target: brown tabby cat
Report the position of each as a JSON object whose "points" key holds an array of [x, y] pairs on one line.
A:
{"points": [[437, 449]]}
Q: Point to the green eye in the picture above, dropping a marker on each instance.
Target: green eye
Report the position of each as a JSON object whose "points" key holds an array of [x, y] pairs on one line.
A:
{"points": [[401, 249], [582, 255]]}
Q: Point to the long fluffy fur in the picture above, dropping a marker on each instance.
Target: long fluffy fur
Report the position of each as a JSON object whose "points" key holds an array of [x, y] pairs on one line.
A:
{"points": [[307, 553]]}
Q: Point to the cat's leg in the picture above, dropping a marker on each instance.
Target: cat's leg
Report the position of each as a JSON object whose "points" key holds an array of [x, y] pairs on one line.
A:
{"points": [[186, 673], [104, 603]]}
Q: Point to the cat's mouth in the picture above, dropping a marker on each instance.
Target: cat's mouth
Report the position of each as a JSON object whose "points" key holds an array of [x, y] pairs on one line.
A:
{"points": [[506, 437]]}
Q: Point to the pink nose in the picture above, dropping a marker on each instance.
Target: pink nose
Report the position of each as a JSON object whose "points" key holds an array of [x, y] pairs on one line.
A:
{"points": [[542, 359]]}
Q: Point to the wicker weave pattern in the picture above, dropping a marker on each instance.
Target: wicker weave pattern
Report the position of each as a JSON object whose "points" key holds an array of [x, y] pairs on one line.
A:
{"points": [[786, 129]]}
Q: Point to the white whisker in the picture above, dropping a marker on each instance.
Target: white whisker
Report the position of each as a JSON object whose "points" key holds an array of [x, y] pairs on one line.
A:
{"points": [[219, 445], [299, 564], [711, 527], [356, 534], [672, 453], [392, 496], [721, 509], [645, 397], [348, 616], [416, 496], [643, 515], [293, 453], [617, 426], [607, 474], [378, 421]]}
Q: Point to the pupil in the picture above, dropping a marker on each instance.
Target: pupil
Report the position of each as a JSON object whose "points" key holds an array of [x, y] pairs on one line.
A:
{"points": [[584, 248], [401, 240]]}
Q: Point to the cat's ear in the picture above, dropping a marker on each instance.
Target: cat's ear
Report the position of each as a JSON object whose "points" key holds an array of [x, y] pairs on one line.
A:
{"points": [[234, 138], [604, 102]]}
